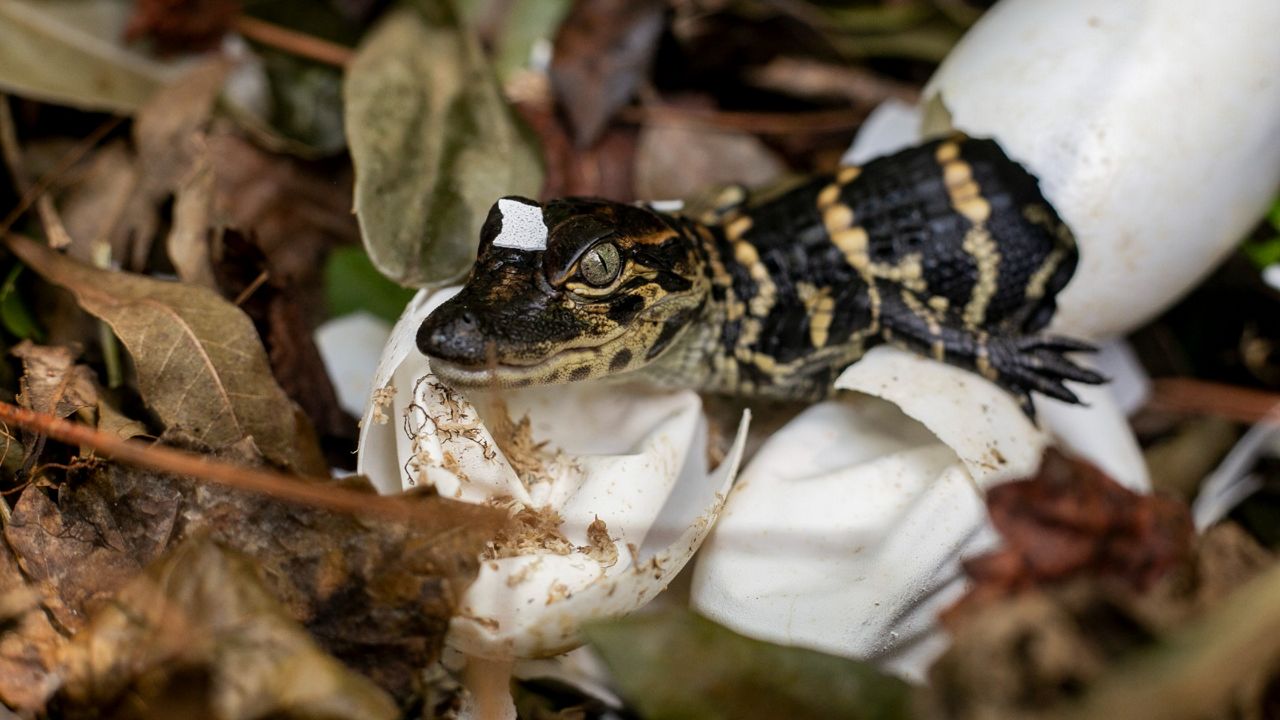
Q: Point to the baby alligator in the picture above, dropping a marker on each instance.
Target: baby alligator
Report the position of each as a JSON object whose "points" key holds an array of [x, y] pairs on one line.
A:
{"points": [[948, 249]]}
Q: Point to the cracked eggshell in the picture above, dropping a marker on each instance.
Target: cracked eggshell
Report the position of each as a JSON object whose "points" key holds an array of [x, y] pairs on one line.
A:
{"points": [[846, 531], [1153, 125], [623, 468]]}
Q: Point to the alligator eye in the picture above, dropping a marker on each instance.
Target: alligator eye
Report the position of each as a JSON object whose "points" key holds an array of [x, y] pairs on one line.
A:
{"points": [[601, 264]]}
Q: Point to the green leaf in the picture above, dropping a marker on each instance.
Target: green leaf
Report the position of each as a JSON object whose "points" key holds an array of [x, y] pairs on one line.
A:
{"points": [[69, 52], [352, 284], [1265, 252], [14, 314], [1262, 253], [433, 141], [676, 664], [526, 24]]}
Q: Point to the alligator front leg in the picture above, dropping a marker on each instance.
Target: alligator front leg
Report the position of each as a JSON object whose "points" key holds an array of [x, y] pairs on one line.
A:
{"points": [[1018, 362]]}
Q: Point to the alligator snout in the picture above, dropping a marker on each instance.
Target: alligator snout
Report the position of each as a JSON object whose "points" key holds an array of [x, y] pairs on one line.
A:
{"points": [[452, 333]]}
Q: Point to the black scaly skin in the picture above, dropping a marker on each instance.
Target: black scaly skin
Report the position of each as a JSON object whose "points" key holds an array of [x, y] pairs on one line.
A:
{"points": [[947, 249]]}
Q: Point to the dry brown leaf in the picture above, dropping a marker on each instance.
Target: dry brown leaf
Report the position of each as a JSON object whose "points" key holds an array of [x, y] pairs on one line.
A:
{"points": [[1222, 666], [52, 382], [114, 422], [1073, 521], [77, 553], [1032, 651], [14, 158], [188, 240], [164, 128], [603, 170], [29, 644], [93, 206], [603, 52], [200, 365], [1181, 458], [1226, 558], [679, 161], [200, 625], [165, 133], [377, 594], [1030, 654], [294, 210], [276, 307], [12, 451]]}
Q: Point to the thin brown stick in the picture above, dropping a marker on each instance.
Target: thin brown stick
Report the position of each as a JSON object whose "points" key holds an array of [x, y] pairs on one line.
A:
{"points": [[252, 288], [1201, 397], [292, 489], [294, 42], [764, 123]]}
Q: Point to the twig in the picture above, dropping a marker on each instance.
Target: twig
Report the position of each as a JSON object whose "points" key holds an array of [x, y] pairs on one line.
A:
{"points": [[294, 42], [252, 288], [301, 491], [763, 123], [1202, 397]]}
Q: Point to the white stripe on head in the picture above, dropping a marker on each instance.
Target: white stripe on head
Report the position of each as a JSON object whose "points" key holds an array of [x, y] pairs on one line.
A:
{"points": [[667, 206], [522, 226]]}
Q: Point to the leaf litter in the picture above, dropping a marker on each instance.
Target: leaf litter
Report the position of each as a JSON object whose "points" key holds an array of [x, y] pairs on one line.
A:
{"points": [[200, 365], [377, 594], [137, 579]]}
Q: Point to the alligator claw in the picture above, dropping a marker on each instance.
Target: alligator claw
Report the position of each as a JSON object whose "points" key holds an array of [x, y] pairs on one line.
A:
{"points": [[1038, 363]]}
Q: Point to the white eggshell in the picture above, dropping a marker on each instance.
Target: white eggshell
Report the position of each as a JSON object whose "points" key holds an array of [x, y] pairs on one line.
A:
{"points": [[632, 457], [1153, 125], [846, 531], [981, 424], [350, 347]]}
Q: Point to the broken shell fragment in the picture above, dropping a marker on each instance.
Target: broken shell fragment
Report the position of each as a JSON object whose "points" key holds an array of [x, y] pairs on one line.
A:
{"points": [[608, 486], [846, 531]]}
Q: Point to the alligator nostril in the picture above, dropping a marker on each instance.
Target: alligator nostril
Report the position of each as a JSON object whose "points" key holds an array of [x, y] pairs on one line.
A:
{"points": [[440, 337], [451, 333]]}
